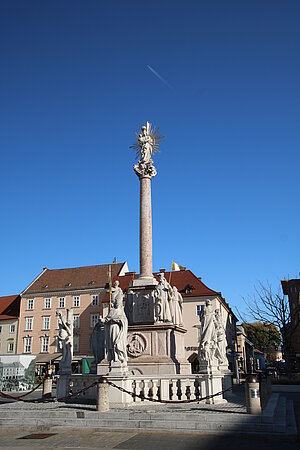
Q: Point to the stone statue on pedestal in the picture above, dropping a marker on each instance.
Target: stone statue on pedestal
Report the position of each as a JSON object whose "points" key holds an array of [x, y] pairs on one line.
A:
{"points": [[208, 334], [147, 143], [220, 352], [97, 342], [115, 328], [212, 347], [65, 339], [163, 298], [176, 309]]}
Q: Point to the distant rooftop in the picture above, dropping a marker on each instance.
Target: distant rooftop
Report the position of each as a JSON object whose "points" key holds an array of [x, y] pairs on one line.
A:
{"points": [[9, 307], [75, 278]]}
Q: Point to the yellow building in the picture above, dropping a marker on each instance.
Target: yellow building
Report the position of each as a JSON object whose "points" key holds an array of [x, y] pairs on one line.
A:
{"points": [[9, 317]]}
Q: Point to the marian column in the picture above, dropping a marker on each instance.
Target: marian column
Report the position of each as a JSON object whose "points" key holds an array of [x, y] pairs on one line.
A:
{"points": [[147, 143]]}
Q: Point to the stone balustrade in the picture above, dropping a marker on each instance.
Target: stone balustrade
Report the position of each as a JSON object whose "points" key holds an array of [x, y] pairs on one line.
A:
{"points": [[159, 387]]}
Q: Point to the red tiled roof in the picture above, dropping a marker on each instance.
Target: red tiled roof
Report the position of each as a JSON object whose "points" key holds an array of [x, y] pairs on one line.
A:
{"points": [[9, 307], [181, 279], [71, 279]]}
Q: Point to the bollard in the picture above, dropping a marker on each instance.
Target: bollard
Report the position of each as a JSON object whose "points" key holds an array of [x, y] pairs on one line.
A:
{"points": [[102, 395], [252, 395], [47, 388], [263, 390]]}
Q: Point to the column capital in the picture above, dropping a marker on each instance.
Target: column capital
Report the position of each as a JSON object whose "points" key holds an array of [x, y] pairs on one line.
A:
{"points": [[145, 169]]}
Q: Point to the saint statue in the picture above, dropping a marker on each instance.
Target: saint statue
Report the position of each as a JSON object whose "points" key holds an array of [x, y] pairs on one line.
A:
{"points": [[208, 334], [163, 298], [65, 341], [115, 328], [176, 309], [220, 352], [97, 342], [147, 143]]}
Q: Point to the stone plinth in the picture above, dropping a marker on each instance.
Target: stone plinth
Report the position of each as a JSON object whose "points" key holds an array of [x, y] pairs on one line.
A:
{"points": [[139, 307], [156, 349]]}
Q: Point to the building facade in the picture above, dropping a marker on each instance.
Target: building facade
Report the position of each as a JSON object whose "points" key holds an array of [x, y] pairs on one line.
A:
{"points": [[9, 320], [291, 288], [80, 289]]}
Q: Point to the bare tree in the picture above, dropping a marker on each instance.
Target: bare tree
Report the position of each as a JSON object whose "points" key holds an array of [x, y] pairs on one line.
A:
{"points": [[266, 305]]}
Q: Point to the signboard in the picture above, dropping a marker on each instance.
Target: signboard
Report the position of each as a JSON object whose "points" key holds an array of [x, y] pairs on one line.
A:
{"points": [[17, 372]]}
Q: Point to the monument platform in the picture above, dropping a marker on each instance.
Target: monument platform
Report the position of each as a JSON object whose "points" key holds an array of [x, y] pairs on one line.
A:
{"points": [[156, 349]]}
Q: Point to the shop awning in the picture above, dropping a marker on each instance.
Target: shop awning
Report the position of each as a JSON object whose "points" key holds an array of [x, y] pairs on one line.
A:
{"points": [[46, 358]]}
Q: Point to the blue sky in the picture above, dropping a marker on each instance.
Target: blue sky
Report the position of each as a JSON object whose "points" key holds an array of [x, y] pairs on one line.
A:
{"points": [[74, 89]]}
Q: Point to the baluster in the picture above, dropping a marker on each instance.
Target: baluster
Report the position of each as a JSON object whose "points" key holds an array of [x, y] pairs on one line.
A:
{"points": [[193, 395], [146, 388], [69, 390], [155, 393], [142, 385], [174, 390], [138, 390], [183, 389]]}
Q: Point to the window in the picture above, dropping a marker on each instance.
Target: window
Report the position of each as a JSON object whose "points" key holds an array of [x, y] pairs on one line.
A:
{"points": [[94, 319], [45, 344], [47, 303], [61, 302], [27, 344], [76, 321], [76, 302], [10, 347], [76, 343], [29, 323], [12, 328], [199, 309], [95, 300], [57, 344], [46, 323], [30, 303]]}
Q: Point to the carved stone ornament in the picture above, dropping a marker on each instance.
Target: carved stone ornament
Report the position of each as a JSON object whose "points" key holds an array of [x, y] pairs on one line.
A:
{"points": [[137, 344], [143, 169], [147, 143]]}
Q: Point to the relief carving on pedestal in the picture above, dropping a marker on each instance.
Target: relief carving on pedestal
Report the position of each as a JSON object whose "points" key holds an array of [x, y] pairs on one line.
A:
{"points": [[136, 344]]}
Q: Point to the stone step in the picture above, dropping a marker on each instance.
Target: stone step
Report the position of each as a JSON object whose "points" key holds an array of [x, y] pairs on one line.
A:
{"points": [[278, 419], [133, 415], [141, 424]]}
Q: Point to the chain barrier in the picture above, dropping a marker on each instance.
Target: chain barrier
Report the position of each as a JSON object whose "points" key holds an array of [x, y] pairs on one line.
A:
{"points": [[142, 397], [19, 397], [67, 397], [132, 394]]}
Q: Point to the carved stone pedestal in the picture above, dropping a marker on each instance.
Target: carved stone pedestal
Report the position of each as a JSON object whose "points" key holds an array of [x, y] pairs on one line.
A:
{"points": [[156, 349]]}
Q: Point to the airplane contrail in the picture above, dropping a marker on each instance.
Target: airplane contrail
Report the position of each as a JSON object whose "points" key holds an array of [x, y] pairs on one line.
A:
{"points": [[159, 77]]}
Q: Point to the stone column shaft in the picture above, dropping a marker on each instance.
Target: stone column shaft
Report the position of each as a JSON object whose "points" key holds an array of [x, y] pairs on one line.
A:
{"points": [[145, 228]]}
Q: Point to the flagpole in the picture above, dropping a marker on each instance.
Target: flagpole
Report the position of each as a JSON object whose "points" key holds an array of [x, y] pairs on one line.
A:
{"points": [[109, 281], [171, 272]]}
